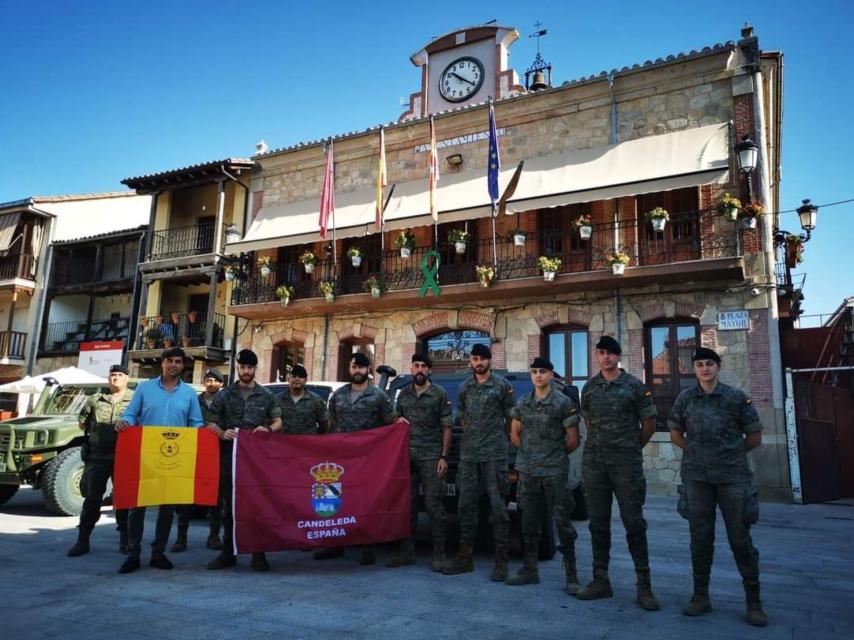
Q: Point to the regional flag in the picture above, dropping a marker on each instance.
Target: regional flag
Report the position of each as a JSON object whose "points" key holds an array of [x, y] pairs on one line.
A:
{"points": [[433, 179], [165, 465], [332, 490], [327, 194], [493, 163]]}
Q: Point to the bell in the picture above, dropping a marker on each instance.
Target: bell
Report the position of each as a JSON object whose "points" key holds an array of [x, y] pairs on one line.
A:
{"points": [[539, 81]]}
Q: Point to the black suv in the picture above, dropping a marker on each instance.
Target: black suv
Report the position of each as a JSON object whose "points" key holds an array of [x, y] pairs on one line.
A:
{"points": [[521, 381]]}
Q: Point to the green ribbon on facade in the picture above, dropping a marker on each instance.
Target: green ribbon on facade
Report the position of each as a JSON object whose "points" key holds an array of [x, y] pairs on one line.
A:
{"points": [[430, 270]]}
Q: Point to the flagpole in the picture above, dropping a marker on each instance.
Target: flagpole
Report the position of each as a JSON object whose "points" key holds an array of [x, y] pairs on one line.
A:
{"points": [[332, 190], [493, 167]]}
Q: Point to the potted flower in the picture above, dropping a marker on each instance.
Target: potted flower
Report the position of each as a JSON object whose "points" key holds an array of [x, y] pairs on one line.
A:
{"points": [[264, 262], [459, 239], [584, 224], [230, 273], [327, 289], [406, 243], [355, 255], [309, 260], [519, 237], [151, 338], [617, 260], [728, 207], [375, 285], [658, 217], [794, 250], [486, 274], [549, 266], [284, 292], [750, 212]]}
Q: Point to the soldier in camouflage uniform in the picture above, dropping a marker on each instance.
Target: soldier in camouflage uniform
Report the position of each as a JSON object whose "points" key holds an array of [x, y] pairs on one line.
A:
{"points": [[612, 404], [427, 408], [544, 427], [484, 402], [302, 411], [716, 425], [242, 405], [97, 419], [213, 383], [355, 407]]}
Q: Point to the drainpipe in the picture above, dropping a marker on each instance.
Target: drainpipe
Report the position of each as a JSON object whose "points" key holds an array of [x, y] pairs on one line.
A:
{"points": [[613, 139], [323, 358]]}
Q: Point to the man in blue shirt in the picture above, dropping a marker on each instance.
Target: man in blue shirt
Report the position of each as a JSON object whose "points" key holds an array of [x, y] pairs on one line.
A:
{"points": [[164, 401]]}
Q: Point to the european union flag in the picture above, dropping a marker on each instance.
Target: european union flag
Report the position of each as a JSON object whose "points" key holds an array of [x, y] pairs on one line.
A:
{"points": [[493, 165]]}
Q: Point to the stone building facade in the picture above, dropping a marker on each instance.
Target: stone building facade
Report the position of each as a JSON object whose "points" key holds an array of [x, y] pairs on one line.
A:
{"points": [[669, 300]]}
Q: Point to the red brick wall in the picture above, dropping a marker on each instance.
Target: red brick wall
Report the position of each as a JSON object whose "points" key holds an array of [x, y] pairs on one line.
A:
{"points": [[759, 359]]}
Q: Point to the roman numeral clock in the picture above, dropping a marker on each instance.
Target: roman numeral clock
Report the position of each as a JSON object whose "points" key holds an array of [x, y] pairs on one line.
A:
{"points": [[463, 67]]}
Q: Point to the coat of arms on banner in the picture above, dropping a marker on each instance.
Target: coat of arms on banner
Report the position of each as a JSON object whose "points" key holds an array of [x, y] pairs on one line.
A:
{"points": [[326, 491]]}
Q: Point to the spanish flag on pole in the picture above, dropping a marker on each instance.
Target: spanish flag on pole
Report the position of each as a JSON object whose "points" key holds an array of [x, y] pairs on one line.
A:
{"points": [[165, 465]]}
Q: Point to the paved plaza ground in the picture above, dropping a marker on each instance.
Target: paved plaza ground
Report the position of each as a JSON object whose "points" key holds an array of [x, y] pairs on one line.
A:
{"points": [[806, 558]]}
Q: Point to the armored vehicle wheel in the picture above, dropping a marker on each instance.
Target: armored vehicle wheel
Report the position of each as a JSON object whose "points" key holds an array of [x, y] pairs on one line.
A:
{"points": [[7, 491], [61, 483]]}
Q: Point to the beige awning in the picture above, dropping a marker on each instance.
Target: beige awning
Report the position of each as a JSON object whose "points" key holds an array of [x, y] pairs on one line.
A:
{"points": [[8, 224], [654, 163]]}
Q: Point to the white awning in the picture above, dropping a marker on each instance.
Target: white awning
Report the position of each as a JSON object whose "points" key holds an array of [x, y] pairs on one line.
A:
{"points": [[654, 163], [8, 224]]}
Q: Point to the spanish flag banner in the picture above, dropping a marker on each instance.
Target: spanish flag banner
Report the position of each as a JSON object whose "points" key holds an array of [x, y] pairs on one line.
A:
{"points": [[165, 465]]}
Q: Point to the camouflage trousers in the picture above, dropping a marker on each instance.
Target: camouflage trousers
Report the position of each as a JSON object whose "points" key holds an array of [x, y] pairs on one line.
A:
{"points": [[739, 507], [473, 477], [423, 473], [605, 478], [547, 497], [97, 471]]}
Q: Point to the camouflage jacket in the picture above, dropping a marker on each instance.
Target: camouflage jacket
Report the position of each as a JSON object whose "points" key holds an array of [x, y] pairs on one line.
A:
{"points": [[544, 423], [99, 417], [230, 411], [206, 410], [483, 410], [371, 409], [428, 414], [612, 412], [305, 415], [714, 425]]}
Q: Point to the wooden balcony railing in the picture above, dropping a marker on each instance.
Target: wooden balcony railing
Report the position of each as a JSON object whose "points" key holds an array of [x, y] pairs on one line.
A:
{"points": [[18, 266], [13, 344], [688, 236], [116, 263]]}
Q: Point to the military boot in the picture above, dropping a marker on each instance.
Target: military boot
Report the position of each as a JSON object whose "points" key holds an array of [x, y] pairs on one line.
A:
{"points": [[463, 562], [699, 603], [180, 540], [755, 615], [214, 542], [223, 560], [438, 560], [82, 545], [501, 569], [123, 542], [572, 585], [599, 588], [645, 598], [528, 574], [405, 554]]}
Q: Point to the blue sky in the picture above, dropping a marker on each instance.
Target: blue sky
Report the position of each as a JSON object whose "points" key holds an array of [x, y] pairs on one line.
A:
{"points": [[93, 92]]}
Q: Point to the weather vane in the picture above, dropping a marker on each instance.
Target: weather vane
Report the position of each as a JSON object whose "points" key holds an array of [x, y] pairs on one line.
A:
{"points": [[540, 79]]}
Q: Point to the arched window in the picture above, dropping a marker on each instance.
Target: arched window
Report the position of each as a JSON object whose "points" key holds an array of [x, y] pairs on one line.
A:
{"points": [[567, 346], [450, 350], [669, 346]]}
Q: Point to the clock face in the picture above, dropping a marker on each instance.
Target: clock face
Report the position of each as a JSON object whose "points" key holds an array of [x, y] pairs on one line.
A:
{"points": [[461, 79]]}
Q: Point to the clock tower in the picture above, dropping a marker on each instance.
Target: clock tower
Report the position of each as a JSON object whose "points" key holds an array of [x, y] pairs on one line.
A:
{"points": [[463, 67]]}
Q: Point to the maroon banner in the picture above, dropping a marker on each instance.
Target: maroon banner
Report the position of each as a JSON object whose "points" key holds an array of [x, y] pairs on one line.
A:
{"points": [[300, 491]]}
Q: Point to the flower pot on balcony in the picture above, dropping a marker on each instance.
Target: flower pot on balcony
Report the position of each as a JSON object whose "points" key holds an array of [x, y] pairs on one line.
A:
{"points": [[284, 301], [376, 292], [485, 282], [750, 222], [658, 224], [405, 252], [519, 239], [309, 267], [356, 260], [618, 268], [731, 214], [229, 276], [330, 297], [460, 247], [265, 271], [585, 231], [549, 276]]}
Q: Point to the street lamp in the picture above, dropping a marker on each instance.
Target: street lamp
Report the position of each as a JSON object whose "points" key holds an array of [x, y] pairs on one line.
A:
{"points": [[747, 153], [808, 213]]}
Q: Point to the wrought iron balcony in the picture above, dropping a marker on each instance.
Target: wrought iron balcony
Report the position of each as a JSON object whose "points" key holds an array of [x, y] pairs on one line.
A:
{"points": [[182, 330], [18, 266], [181, 242], [688, 236], [65, 337], [13, 345]]}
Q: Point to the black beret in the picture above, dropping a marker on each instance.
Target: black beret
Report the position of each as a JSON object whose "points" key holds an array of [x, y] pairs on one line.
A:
{"points": [[213, 373], [542, 363], [609, 344], [422, 357], [298, 371], [173, 352], [703, 353], [247, 357], [119, 368], [360, 359], [481, 350]]}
